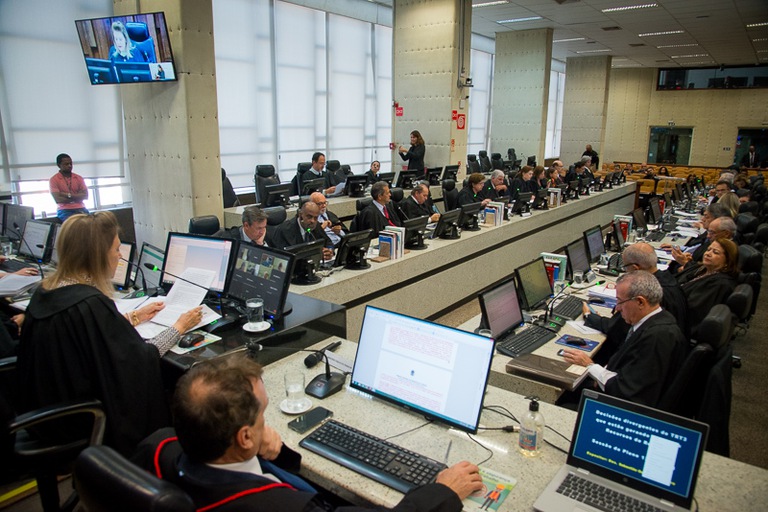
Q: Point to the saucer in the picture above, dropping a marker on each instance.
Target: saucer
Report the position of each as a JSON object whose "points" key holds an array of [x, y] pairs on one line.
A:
{"points": [[256, 326], [306, 404]]}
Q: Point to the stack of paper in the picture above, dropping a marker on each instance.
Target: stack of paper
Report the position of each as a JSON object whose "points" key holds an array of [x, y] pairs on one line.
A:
{"points": [[606, 292]]}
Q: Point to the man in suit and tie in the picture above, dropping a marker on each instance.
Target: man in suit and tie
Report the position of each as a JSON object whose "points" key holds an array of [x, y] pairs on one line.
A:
{"points": [[751, 160], [329, 222], [415, 205], [380, 213], [304, 228]]}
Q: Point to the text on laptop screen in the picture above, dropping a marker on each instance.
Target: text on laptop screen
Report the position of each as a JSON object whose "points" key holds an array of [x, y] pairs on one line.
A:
{"points": [[594, 239], [185, 251], [658, 453], [154, 256], [502, 308], [262, 272], [534, 283], [16, 216], [34, 241], [438, 371]]}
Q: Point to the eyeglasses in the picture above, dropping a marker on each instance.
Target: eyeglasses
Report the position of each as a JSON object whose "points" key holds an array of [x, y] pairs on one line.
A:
{"points": [[322, 203], [625, 300]]}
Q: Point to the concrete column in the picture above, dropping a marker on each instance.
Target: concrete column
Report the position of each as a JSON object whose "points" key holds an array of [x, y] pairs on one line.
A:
{"points": [[585, 106], [521, 92], [427, 42], [172, 128]]}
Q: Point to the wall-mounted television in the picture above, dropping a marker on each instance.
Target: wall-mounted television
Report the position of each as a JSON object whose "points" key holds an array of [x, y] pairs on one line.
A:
{"points": [[127, 49]]}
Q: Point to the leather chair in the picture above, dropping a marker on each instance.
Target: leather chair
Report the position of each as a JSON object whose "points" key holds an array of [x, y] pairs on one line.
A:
{"points": [[750, 259], [228, 196], [107, 482], [204, 225], [715, 408], [496, 161], [760, 240], [752, 207], [298, 180], [754, 280], [746, 225], [139, 34], [360, 205], [396, 195], [485, 162], [450, 195], [276, 215], [676, 399], [740, 304], [265, 175], [473, 165], [334, 169]]}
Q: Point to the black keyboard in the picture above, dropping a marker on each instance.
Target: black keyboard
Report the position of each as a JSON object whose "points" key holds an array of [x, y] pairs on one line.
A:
{"points": [[655, 236], [11, 266], [603, 498], [570, 307], [524, 342], [375, 458]]}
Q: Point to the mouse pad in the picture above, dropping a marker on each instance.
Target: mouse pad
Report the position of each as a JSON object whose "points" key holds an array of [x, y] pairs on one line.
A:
{"points": [[589, 347], [209, 338]]}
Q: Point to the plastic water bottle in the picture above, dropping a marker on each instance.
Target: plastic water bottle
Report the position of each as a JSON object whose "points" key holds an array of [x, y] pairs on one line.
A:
{"points": [[531, 430]]}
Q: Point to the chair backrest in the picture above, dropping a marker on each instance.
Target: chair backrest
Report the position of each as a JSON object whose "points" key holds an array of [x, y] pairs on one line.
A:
{"points": [[511, 154], [496, 161], [228, 195], [715, 408], [450, 195], [485, 162], [473, 165], [716, 328], [276, 215], [753, 279], [332, 165], [750, 259], [265, 171], [746, 223], [396, 194], [752, 207], [204, 225], [740, 301], [137, 31], [107, 481], [361, 203], [346, 169], [680, 396], [760, 241], [265, 175]]}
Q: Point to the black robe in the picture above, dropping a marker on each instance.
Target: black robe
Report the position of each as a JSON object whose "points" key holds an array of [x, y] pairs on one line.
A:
{"points": [[253, 493], [75, 345], [468, 196], [489, 191], [371, 218], [704, 293], [289, 233], [413, 210]]}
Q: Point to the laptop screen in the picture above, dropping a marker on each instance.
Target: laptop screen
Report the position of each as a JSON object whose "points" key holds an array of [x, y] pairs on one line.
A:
{"points": [[122, 276], [655, 210], [534, 284], [437, 371], [594, 239], [578, 260], [35, 239], [646, 449], [501, 308]]}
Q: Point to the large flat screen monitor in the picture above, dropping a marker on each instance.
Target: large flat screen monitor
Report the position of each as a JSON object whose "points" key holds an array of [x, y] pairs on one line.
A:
{"points": [[127, 49], [351, 251], [533, 284], [389, 177], [54, 237], [447, 226], [154, 256], [16, 216], [262, 272], [450, 172], [356, 185], [434, 370], [36, 239], [185, 250], [578, 259], [122, 277], [655, 210], [593, 238]]}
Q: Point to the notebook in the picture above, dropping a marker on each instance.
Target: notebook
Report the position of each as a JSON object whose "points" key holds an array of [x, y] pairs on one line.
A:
{"points": [[640, 452]]}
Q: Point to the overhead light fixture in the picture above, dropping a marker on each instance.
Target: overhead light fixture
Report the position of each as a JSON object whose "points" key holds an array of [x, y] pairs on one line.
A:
{"points": [[753, 25], [692, 56], [696, 62], [762, 51], [518, 20], [760, 39], [630, 7], [569, 40], [489, 4], [677, 45], [665, 33], [595, 51]]}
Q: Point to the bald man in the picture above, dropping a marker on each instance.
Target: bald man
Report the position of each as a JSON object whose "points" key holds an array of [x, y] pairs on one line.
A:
{"points": [[304, 228], [333, 227]]}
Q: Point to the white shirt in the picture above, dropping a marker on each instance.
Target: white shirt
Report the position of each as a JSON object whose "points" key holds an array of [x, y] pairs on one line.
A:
{"points": [[248, 466]]}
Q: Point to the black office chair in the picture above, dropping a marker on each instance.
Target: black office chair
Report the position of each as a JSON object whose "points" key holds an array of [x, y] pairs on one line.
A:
{"points": [[450, 195], [204, 225], [139, 34], [396, 194], [107, 482], [760, 240], [746, 225], [740, 303], [360, 205], [496, 161], [677, 397], [473, 165], [265, 175], [228, 195], [276, 215], [485, 162], [715, 408], [298, 180], [752, 207], [750, 259]]}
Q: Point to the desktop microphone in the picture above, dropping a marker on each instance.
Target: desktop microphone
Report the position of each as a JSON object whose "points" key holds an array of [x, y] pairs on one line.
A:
{"points": [[311, 360], [146, 291], [549, 311], [38, 261]]}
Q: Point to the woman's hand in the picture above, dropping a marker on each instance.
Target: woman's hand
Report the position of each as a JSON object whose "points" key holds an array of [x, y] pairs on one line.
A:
{"points": [[148, 312], [27, 272], [189, 319]]}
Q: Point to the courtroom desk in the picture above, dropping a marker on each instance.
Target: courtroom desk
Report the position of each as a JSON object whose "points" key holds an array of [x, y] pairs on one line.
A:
{"points": [[343, 207], [723, 484], [431, 282], [310, 321]]}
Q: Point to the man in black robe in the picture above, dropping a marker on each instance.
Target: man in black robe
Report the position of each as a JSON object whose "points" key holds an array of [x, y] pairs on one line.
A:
{"points": [[223, 452], [494, 187], [303, 229], [415, 205], [380, 214]]}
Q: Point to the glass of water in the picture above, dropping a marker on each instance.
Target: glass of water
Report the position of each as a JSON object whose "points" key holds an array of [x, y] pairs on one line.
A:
{"points": [[255, 313], [295, 401]]}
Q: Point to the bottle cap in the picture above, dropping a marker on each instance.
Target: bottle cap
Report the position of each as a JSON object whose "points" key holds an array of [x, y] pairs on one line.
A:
{"points": [[534, 405]]}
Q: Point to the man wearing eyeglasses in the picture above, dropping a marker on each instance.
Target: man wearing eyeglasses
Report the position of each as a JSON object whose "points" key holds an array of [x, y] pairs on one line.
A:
{"points": [[333, 227], [645, 362]]}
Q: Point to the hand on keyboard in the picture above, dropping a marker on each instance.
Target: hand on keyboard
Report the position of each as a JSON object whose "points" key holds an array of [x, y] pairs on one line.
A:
{"points": [[462, 478]]}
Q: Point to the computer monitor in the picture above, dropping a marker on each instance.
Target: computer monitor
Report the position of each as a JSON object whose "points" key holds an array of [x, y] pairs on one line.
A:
{"points": [[36, 240], [16, 216], [468, 220], [433, 175], [54, 237], [122, 277], [356, 185], [655, 210], [522, 204], [541, 199], [500, 307], [667, 200], [448, 225], [639, 218], [351, 250], [688, 192], [154, 256], [132, 72], [389, 177], [313, 185], [185, 250], [2, 217], [414, 232], [308, 258], [578, 259], [618, 234], [278, 194], [593, 238], [436, 371], [677, 192], [533, 284], [573, 189], [450, 172], [405, 179], [264, 272]]}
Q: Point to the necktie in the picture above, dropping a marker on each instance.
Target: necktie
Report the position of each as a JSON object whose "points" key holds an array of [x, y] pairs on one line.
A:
{"points": [[386, 214]]}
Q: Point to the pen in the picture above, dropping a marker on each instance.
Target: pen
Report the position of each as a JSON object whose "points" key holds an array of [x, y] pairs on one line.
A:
{"points": [[448, 451]]}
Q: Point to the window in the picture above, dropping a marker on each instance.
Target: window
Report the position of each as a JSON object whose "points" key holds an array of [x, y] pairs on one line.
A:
{"points": [[555, 110], [669, 145], [479, 120]]}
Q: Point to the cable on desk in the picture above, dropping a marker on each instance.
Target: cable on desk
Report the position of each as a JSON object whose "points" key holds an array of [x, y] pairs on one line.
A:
{"points": [[558, 433], [484, 448], [409, 431], [499, 409], [555, 447]]}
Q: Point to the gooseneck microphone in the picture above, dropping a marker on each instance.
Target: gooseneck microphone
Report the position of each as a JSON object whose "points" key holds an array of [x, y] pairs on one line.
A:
{"points": [[311, 360], [38, 261]]}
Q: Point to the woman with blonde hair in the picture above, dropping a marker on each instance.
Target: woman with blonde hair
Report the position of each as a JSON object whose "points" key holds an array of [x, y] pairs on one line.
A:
{"points": [[731, 201]]}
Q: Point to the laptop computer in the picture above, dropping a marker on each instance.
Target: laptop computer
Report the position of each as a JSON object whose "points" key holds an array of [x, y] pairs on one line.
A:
{"points": [[635, 451]]}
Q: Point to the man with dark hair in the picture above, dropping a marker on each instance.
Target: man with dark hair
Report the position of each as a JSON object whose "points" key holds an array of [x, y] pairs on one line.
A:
{"points": [[223, 452], [578, 173], [380, 213], [721, 187], [652, 351], [415, 205], [304, 228], [253, 230], [318, 171], [68, 189], [592, 154], [751, 159]]}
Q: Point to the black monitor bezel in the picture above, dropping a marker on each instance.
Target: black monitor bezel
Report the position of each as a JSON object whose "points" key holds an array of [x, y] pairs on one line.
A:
{"points": [[389, 177], [140, 262], [353, 181], [26, 250], [304, 253], [12, 232], [126, 283], [230, 263], [413, 227], [593, 258], [411, 175], [277, 190], [308, 186], [446, 222], [282, 293], [568, 251], [360, 240], [469, 214], [525, 303], [450, 172]]}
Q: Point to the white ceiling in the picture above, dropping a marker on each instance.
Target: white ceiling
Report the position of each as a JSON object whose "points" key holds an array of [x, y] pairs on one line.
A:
{"points": [[716, 29]]}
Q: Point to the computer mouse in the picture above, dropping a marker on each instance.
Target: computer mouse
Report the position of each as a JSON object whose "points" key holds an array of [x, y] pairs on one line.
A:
{"points": [[576, 342], [190, 340], [596, 300]]}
